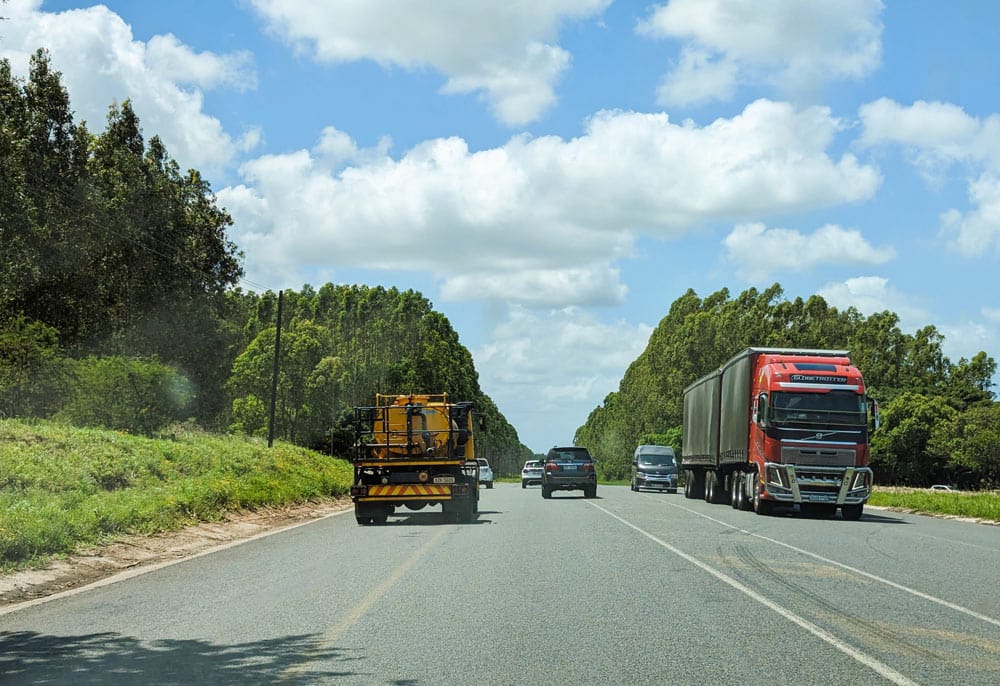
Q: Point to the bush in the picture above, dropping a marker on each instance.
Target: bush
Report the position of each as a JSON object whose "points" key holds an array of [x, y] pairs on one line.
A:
{"points": [[140, 396]]}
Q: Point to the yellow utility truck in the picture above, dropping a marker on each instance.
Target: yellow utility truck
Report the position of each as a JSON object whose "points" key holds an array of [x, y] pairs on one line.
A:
{"points": [[414, 451]]}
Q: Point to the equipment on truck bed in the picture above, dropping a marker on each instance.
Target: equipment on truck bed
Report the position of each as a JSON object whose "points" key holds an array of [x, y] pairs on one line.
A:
{"points": [[413, 451]]}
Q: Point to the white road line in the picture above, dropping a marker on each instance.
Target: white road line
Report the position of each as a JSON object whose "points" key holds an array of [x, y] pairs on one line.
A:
{"points": [[855, 570], [875, 665]]}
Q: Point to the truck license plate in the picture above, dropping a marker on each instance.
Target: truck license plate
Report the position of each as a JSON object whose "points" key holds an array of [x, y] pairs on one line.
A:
{"points": [[444, 479]]}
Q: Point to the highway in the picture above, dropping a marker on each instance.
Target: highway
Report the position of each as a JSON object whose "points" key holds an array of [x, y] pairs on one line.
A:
{"points": [[627, 588]]}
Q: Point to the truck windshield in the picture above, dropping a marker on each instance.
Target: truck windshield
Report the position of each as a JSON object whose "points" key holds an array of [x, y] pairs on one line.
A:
{"points": [[834, 407]]}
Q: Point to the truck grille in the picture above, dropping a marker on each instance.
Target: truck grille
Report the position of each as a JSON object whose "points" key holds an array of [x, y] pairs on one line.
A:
{"points": [[815, 457]]}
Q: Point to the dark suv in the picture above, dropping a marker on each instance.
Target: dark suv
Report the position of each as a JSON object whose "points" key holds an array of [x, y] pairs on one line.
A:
{"points": [[569, 468]]}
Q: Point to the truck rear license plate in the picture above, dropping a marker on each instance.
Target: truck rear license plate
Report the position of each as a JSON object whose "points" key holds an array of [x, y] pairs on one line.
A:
{"points": [[444, 479]]}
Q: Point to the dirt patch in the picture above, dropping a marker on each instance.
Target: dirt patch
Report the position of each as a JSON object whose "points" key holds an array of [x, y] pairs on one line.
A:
{"points": [[92, 564]]}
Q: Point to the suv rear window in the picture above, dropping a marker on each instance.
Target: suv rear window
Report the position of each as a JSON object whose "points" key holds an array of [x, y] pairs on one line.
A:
{"points": [[577, 454]]}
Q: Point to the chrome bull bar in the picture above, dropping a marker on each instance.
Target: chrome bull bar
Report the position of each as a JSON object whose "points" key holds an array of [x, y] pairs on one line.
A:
{"points": [[812, 484]]}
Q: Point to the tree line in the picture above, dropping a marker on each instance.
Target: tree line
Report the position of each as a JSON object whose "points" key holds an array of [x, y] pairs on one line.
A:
{"points": [[120, 305], [940, 421]]}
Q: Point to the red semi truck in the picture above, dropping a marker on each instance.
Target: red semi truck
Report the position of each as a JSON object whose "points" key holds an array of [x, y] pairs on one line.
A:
{"points": [[779, 426]]}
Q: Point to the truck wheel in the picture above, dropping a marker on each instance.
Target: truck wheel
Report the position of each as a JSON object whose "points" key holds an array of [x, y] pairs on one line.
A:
{"points": [[744, 502], [734, 490], [852, 513], [760, 506], [363, 521]]}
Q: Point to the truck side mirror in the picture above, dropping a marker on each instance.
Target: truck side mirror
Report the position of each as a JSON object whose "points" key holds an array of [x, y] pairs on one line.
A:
{"points": [[760, 411]]}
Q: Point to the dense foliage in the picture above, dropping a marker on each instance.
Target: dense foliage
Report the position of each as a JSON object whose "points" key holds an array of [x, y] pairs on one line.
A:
{"points": [[106, 245], [939, 419], [339, 346]]}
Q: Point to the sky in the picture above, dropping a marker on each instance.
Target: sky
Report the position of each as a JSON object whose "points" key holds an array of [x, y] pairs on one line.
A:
{"points": [[553, 174]]}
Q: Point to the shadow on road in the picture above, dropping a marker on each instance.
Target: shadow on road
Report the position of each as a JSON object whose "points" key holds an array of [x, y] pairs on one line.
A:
{"points": [[27, 657], [431, 518]]}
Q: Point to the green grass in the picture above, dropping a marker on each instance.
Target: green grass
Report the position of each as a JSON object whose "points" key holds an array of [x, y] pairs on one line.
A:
{"points": [[979, 504], [62, 487]]}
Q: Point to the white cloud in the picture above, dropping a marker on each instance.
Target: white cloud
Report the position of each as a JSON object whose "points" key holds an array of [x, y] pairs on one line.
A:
{"points": [[504, 50], [790, 44], [973, 234], [699, 78], [101, 63], [935, 136], [873, 294], [541, 221], [170, 59], [776, 249], [541, 352]]}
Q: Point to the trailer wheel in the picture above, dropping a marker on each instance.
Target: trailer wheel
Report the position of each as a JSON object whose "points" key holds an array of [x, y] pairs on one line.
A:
{"points": [[714, 492], [694, 483]]}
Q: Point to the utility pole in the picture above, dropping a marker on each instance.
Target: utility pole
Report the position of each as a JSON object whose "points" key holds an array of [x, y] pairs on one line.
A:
{"points": [[274, 378]]}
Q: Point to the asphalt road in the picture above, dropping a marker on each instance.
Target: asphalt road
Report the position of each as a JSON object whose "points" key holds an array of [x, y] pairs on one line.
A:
{"points": [[628, 588]]}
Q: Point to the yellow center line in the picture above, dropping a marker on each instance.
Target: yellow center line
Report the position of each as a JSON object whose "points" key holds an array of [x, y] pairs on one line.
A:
{"points": [[353, 615]]}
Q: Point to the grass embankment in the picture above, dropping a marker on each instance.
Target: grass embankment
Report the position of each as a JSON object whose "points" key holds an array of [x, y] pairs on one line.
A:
{"points": [[978, 504], [62, 487]]}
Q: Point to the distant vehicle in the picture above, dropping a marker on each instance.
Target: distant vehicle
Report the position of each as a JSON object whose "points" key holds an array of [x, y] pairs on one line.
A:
{"points": [[485, 472], [654, 466], [941, 487], [531, 473], [569, 468]]}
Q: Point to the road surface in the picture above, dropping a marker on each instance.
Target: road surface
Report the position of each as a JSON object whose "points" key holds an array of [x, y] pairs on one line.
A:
{"points": [[627, 588]]}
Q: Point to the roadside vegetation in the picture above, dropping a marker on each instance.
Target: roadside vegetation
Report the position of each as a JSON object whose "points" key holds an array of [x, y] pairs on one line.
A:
{"points": [[974, 504], [63, 487]]}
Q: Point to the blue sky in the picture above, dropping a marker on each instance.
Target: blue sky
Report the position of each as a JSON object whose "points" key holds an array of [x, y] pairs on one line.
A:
{"points": [[553, 174]]}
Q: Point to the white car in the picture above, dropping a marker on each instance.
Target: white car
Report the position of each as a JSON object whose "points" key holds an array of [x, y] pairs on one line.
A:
{"points": [[485, 472], [531, 473]]}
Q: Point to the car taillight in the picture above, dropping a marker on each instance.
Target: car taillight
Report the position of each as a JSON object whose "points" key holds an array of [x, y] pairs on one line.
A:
{"points": [[551, 467], [587, 467]]}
